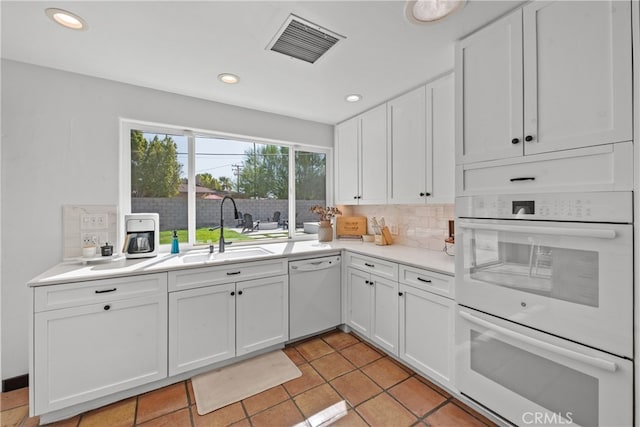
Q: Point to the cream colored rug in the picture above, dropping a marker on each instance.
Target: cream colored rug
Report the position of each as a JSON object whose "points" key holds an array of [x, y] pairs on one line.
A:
{"points": [[233, 383]]}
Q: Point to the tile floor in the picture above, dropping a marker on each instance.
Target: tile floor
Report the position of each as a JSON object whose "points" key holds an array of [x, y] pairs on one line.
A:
{"points": [[337, 369]]}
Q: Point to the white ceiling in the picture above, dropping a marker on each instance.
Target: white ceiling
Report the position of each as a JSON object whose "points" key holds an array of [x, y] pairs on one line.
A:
{"points": [[181, 47]]}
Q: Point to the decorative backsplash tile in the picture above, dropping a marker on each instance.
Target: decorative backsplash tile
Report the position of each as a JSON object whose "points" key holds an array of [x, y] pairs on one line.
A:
{"points": [[88, 225], [417, 226]]}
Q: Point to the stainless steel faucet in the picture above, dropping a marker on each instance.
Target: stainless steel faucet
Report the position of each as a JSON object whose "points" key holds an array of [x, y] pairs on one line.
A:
{"points": [[235, 213]]}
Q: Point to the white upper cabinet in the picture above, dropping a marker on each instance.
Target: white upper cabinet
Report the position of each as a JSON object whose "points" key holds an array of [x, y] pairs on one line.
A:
{"points": [[421, 144], [551, 76], [408, 147], [577, 73], [361, 164], [489, 92]]}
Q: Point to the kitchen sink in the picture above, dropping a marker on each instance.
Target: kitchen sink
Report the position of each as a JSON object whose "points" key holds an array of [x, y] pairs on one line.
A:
{"points": [[230, 253]]}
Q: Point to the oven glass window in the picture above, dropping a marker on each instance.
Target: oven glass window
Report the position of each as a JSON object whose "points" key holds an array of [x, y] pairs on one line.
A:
{"points": [[558, 388], [562, 273]]}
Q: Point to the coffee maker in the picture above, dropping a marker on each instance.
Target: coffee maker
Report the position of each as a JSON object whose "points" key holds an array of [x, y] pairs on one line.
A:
{"points": [[142, 235]]}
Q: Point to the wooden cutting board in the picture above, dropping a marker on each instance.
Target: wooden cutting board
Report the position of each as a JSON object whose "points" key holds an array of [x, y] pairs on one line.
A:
{"points": [[351, 226]]}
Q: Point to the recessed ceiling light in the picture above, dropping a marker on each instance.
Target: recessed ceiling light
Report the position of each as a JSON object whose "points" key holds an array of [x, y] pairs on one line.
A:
{"points": [[424, 11], [66, 19], [354, 97], [228, 78]]}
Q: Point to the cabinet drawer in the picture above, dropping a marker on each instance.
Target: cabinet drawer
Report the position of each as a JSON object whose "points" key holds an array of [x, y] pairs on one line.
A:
{"points": [[206, 276], [437, 283], [602, 168], [97, 291], [372, 265]]}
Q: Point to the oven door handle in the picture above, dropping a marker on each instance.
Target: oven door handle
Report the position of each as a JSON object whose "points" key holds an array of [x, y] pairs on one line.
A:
{"points": [[598, 233], [593, 361]]}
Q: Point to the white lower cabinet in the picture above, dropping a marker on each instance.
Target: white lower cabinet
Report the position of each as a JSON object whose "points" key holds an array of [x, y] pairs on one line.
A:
{"points": [[218, 322], [262, 313], [427, 333], [201, 327], [103, 344], [373, 308]]}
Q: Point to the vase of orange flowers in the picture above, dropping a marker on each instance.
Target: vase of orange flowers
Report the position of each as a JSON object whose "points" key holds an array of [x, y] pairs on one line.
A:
{"points": [[325, 214]]}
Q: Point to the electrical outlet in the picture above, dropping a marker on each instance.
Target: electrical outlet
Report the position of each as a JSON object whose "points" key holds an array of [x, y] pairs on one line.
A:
{"points": [[93, 221], [393, 228], [93, 239]]}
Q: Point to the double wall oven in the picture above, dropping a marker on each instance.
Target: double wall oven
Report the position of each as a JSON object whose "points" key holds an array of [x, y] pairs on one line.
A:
{"points": [[544, 328]]}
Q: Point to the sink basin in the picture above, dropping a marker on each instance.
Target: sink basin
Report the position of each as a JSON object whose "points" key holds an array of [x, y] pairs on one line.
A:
{"points": [[230, 253], [234, 253]]}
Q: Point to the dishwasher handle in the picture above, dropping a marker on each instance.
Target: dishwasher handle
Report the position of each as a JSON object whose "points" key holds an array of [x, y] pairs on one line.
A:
{"points": [[312, 265]]}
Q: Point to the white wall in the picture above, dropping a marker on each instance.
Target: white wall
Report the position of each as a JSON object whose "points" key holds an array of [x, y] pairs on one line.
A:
{"points": [[60, 146]]}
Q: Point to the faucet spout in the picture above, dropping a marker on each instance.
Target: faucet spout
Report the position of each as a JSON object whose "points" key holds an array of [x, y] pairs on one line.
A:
{"points": [[222, 243]]}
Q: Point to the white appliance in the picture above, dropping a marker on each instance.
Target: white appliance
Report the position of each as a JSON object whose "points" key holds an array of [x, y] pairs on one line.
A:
{"points": [[551, 278], [142, 235], [314, 295], [533, 378]]}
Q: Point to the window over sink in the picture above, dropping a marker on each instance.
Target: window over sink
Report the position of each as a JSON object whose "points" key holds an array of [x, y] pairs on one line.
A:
{"points": [[184, 176]]}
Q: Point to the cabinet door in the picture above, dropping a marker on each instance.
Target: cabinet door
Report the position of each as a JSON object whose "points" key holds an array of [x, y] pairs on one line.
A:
{"points": [[577, 74], [489, 92], [83, 353], [262, 313], [407, 141], [384, 326], [440, 174], [373, 156], [201, 327], [347, 184], [426, 333], [359, 301]]}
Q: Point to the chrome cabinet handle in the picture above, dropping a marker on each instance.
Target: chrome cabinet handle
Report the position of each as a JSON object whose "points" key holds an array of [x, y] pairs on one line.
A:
{"points": [[583, 358]]}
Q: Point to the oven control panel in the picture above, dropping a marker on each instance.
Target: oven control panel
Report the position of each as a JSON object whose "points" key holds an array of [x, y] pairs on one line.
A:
{"points": [[580, 207]]}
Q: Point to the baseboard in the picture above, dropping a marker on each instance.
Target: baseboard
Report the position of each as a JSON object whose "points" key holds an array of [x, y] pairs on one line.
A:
{"points": [[15, 383]]}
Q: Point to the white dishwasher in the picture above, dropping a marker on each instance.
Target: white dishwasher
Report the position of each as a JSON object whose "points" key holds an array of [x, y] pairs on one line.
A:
{"points": [[314, 295]]}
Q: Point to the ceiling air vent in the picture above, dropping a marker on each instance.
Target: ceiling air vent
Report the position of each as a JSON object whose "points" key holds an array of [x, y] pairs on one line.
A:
{"points": [[301, 39]]}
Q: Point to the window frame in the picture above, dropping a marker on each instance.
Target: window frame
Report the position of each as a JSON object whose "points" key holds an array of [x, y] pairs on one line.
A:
{"points": [[127, 125]]}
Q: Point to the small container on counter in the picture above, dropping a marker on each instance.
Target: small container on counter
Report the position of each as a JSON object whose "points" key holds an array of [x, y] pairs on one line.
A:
{"points": [[106, 249]]}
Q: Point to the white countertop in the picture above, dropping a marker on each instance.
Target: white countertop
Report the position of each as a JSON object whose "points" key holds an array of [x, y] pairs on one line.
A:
{"points": [[79, 270]]}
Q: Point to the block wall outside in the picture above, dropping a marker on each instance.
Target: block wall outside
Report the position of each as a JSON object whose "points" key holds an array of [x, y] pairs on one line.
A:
{"points": [[173, 211]]}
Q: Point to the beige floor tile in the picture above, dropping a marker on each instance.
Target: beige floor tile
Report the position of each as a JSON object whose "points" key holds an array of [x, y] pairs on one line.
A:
{"points": [[264, 400], [14, 416], [181, 418], [294, 355], [13, 399], [385, 372], [453, 416], [313, 349], [221, 417], [416, 396], [332, 365], [309, 379], [119, 414], [283, 414], [339, 340], [314, 401], [383, 410], [162, 401], [356, 387], [360, 354]]}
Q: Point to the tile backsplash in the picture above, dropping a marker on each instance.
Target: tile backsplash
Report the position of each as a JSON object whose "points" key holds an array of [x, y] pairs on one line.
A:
{"points": [[88, 225], [418, 226]]}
